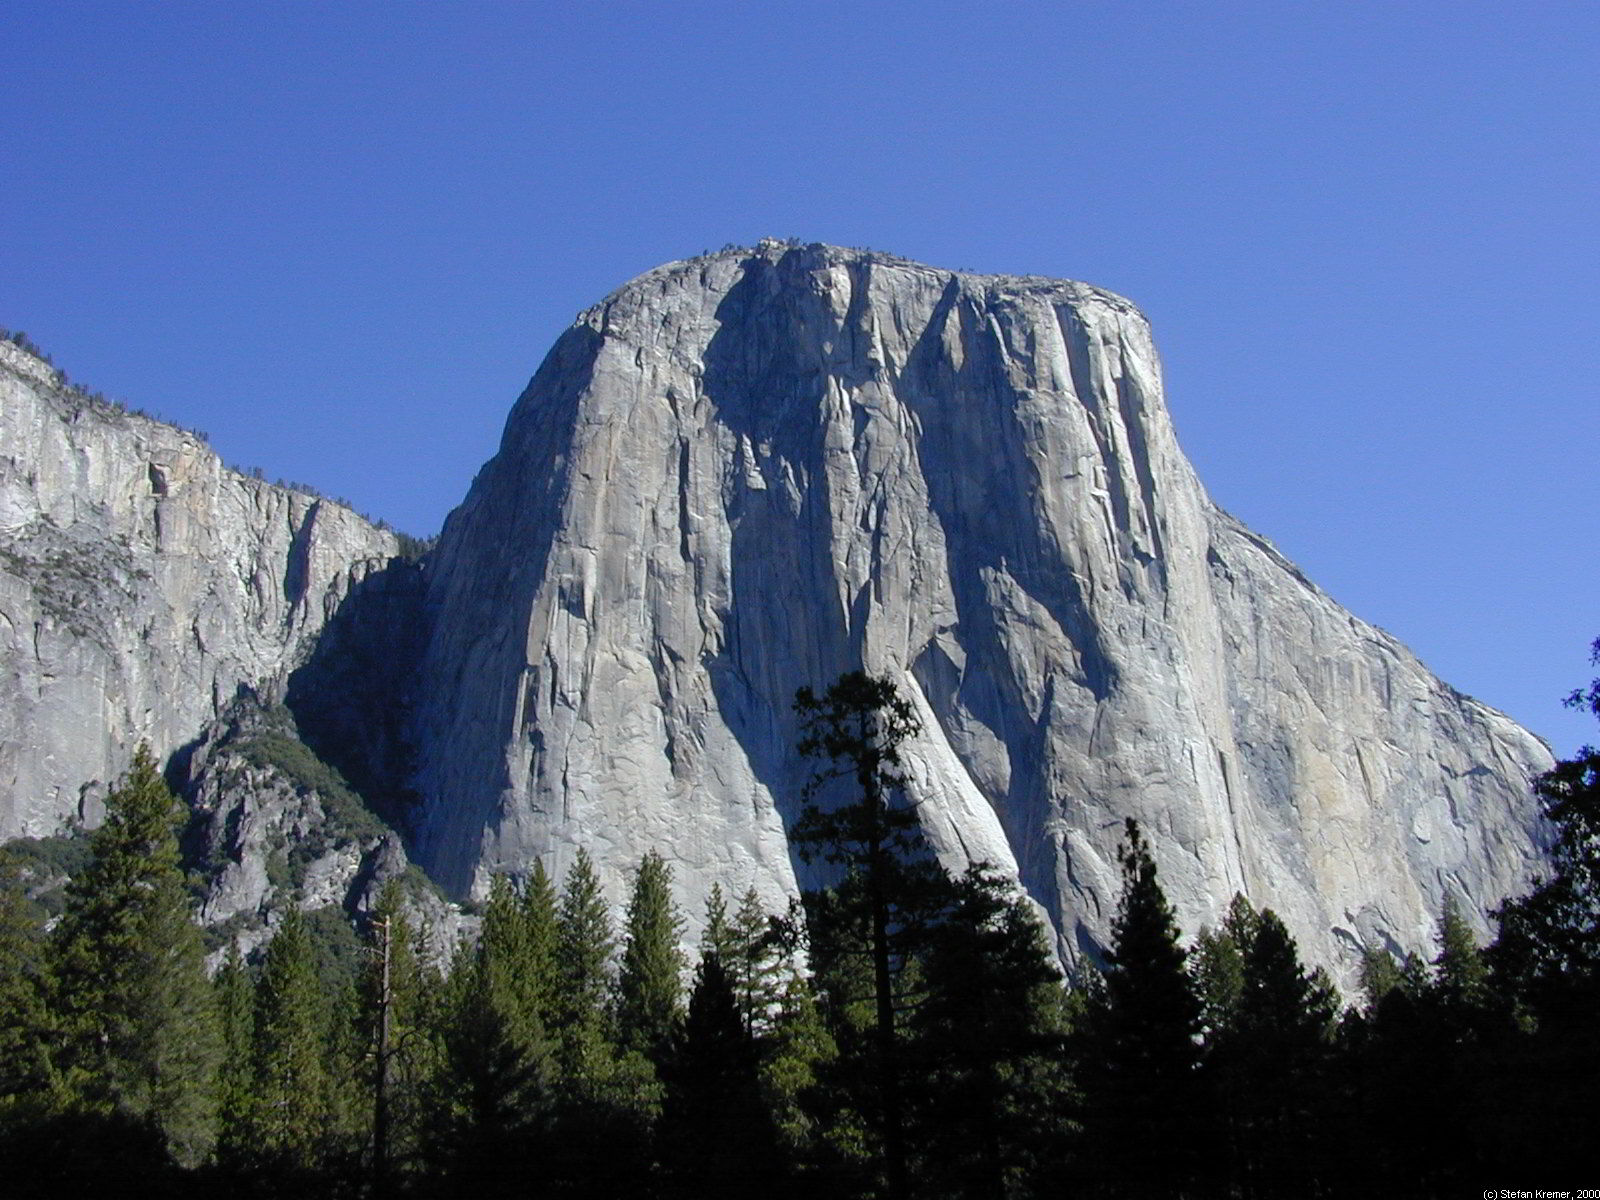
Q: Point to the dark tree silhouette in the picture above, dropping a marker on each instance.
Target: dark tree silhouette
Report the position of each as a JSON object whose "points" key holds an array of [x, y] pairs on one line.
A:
{"points": [[1138, 1053], [717, 1138], [856, 729], [988, 1051]]}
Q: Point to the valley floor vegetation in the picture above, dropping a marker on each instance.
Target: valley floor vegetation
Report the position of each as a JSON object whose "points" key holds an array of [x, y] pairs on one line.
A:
{"points": [[900, 1034]]}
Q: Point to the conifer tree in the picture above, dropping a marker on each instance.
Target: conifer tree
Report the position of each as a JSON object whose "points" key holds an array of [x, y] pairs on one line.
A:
{"points": [[1547, 952], [717, 1137], [1433, 1046], [606, 1098], [349, 1063], [1138, 1052], [1545, 974], [989, 1050], [756, 970], [498, 1015], [892, 889], [236, 1008], [584, 947], [1396, 1065], [1380, 974], [516, 970], [649, 984], [716, 938], [295, 1108], [392, 1016], [489, 1107], [1460, 979], [1217, 967], [797, 1051], [542, 933], [846, 1102], [136, 1006], [26, 1029], [1276, 1060]]}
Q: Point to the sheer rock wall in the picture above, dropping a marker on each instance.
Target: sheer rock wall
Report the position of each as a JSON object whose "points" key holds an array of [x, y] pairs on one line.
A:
{"points": [[736, 476], [754, 470], [142, 584]]}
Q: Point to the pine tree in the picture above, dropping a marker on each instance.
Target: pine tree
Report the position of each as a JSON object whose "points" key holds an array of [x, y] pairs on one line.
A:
{"points": [[1276, 1060], [797, 1051], [717, 1137], [989, 1050], [606, 1098], [542, 933], [490, 1103], [1138, 1051], [236, 1000], [517, 970], [649, 984], [497, 1019], [393, 1019], [295, 1107], [1545, 974], [1396, 1075], [349, 1071], [1380, 974], [137, 1009], [584, 947], [1547, 953], [1451, 1026], [1460, 976], [846, 1102], [756, 969], [892, 890], [27, 1029], [717, 937], [1217, 967]]}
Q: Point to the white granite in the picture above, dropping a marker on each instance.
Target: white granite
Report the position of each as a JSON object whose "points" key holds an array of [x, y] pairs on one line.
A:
{"points": [[749, 472]]}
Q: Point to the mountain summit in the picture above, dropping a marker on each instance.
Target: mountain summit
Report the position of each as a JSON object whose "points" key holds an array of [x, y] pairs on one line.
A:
{"points": [[737, 476], [754, 470]]}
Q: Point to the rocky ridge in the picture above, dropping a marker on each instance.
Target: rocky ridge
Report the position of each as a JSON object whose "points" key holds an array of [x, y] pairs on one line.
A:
{"points": [[271, 823], [735, 476], [754, 470], [142, 582], [147, 592]]}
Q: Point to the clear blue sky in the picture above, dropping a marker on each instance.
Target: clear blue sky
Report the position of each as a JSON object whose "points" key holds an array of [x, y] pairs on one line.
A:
{"points": [[340, 237]]}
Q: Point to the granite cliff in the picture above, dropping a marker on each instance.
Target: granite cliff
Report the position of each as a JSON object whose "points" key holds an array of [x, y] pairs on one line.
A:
{"points": [[148, 593], [737, 475], [757, 469]]}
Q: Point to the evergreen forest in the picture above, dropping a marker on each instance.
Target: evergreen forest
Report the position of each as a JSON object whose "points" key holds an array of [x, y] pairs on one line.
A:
{"points": [[898, 1034]]}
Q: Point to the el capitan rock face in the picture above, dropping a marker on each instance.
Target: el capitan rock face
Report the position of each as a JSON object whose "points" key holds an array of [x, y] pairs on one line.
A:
{"points": [[736, 476], [755, 470]]}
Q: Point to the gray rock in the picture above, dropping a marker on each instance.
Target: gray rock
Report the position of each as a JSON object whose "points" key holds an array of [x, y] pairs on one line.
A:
{"points": [[273, 827], [149, 593], [142, 583], [736, 476], [755, 470]]}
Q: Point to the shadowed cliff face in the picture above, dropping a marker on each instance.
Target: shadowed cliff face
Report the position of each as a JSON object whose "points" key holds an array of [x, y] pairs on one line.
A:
{"points": [[752, 471]]}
